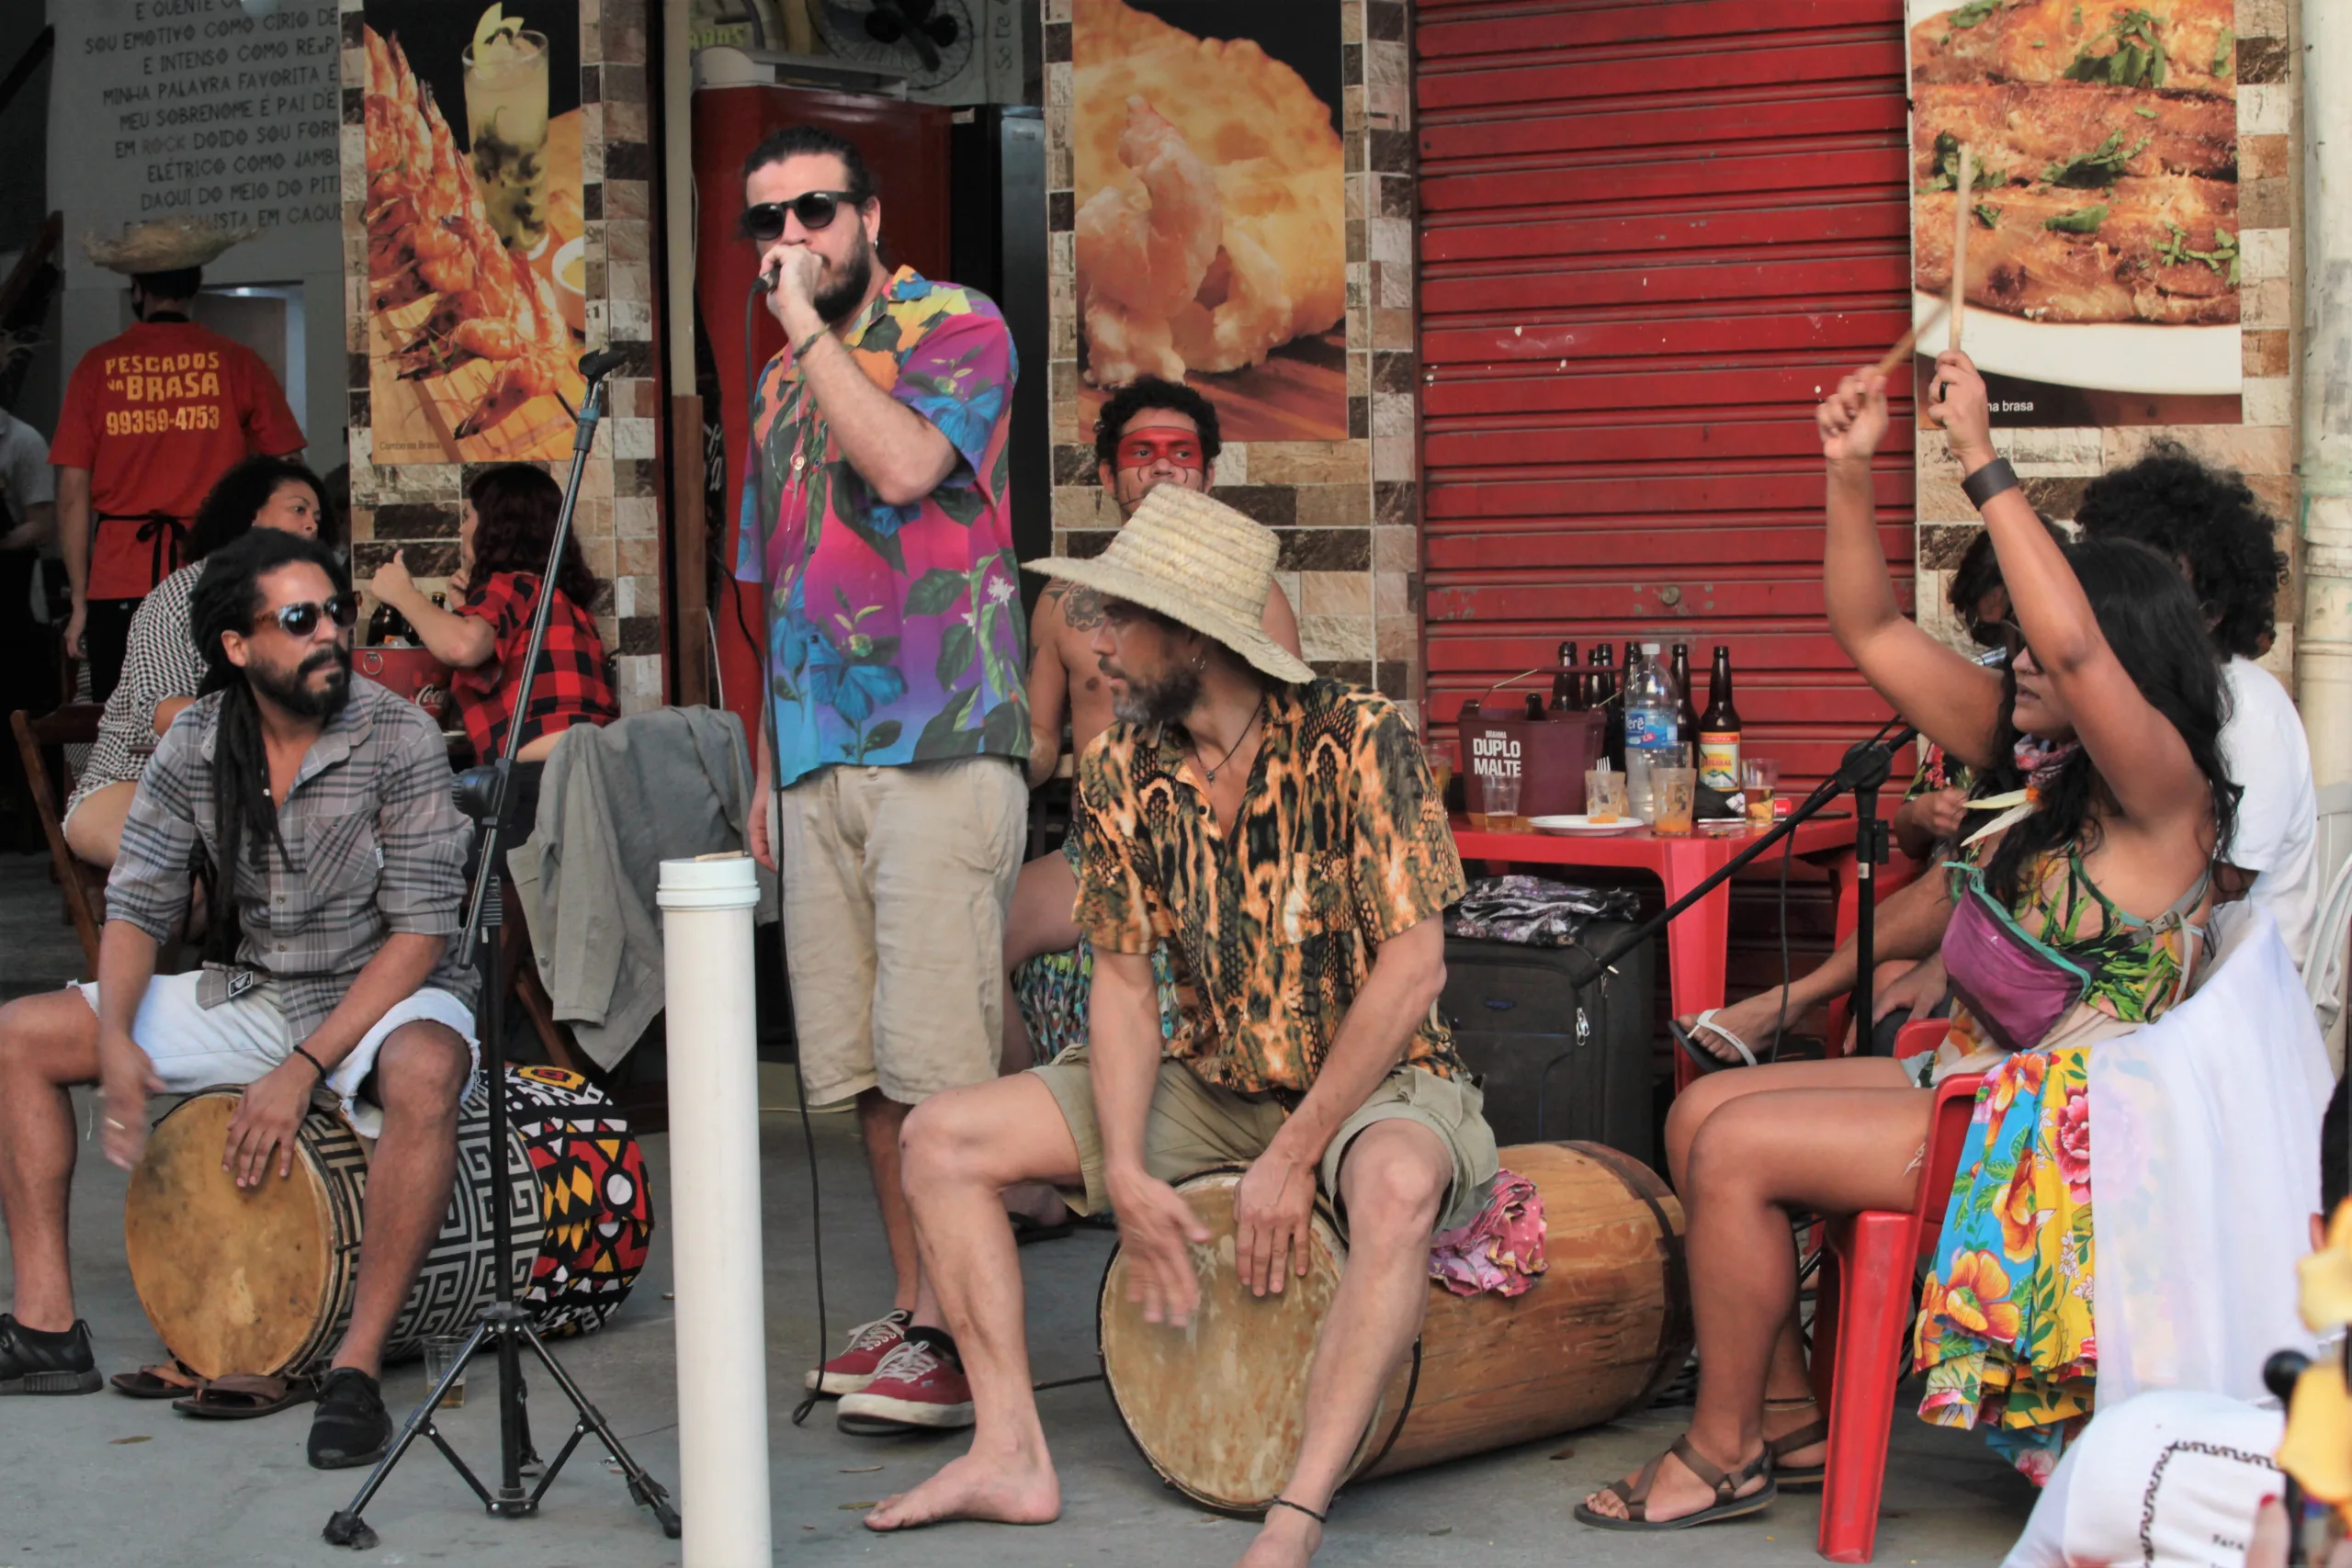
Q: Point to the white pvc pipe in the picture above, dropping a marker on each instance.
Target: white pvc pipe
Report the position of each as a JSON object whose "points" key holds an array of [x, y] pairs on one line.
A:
{"points": [[715, 1211]]}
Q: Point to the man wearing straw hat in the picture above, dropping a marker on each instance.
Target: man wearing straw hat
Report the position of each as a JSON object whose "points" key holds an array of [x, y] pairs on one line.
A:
{"points": [[1284, 835], [151, 420]]}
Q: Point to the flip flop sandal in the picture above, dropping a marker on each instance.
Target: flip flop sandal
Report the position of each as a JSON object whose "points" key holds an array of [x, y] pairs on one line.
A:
{"points": [[1791, 1478], [242, 1397], [1707, 1060], [1026, 1229], [166, 1379], [1729, 1504]]}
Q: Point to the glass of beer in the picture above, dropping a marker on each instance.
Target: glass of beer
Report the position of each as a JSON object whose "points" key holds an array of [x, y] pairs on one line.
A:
{"points": [[1759, 780], [1498, 793], [1604, 797], [440, 1353], [1674, 791], [506, 120]]}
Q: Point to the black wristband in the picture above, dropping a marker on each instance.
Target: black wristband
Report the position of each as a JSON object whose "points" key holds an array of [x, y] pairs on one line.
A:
{"points": [[1989, 481], [314, 1062]]}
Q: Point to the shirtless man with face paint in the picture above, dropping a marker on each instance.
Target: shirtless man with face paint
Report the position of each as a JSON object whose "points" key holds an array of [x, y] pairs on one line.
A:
{"points": [[1151, 432]]}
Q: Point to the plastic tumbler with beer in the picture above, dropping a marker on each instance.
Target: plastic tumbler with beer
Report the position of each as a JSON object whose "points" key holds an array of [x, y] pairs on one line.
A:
{"points": [[1759, 781]]}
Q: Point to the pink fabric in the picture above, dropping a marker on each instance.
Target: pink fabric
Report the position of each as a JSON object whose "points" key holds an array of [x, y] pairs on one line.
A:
{"points": [[1501, 1250]]}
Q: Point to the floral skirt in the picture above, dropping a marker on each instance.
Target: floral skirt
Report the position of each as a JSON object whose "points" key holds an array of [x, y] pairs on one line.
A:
{"points": [[2005, 1330], [1054, 989]]}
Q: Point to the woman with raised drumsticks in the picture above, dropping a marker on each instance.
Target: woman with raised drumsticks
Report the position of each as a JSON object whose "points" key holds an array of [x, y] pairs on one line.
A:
{"points": [[2076, 911]]}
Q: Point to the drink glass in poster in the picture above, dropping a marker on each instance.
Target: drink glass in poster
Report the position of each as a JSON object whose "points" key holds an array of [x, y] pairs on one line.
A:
{"points": [[506, 120]]}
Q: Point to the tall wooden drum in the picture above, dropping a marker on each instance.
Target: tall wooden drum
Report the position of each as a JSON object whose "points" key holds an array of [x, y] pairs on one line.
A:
{"points": [[1218, 1407]]}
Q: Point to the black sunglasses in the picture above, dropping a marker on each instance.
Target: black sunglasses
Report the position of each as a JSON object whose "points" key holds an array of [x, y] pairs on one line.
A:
{"points": [[299, 621], [763, 224]]}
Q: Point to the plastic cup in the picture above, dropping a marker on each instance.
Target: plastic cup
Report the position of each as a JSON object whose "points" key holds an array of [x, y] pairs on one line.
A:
{"points": [[440, 1349], [1674, 791], [1759, 781], [1498, 793], [1604, 795]]}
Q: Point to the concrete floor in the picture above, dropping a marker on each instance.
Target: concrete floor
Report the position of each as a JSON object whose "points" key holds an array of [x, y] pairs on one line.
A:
{"points": [[101, 1481]]}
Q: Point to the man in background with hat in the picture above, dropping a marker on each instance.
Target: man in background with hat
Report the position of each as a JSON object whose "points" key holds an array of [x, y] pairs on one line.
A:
{"points": [[1284, 835], [152, 418]]}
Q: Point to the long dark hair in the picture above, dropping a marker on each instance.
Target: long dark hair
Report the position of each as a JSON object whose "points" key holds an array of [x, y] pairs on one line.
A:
{"points": [[515, 506], [2150, 619], [227, 599], [230, 507]]}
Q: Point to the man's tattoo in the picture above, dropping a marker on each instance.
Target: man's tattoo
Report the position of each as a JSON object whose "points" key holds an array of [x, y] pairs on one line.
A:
{"points": [[1082, 608]]}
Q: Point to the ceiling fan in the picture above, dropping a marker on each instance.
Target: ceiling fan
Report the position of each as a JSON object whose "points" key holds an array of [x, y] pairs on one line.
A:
{"points": [[931, 41]]}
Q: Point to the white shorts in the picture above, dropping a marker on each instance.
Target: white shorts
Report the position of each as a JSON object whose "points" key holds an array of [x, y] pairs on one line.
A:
{"points": [[196, 1047]]}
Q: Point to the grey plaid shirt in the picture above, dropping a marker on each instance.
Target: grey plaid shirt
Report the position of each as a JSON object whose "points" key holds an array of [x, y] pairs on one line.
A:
{"points": [[377, 845]]}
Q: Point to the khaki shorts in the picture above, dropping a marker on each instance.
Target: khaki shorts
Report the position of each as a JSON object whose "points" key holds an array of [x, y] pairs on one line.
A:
{"points": [[896, 884], [1196, 1124]]}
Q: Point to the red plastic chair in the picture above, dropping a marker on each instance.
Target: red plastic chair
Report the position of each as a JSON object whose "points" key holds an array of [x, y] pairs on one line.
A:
{"points": [[1862, 1318]]}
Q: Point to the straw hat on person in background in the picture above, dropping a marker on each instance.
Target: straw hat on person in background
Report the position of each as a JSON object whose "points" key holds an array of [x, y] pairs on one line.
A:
{"points": [[169, 245], [1199, 563]]}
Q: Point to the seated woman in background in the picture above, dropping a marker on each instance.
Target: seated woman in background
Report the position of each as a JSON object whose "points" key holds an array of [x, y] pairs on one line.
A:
{"points": [[2077, 914], [161, 667], [502, 547]]}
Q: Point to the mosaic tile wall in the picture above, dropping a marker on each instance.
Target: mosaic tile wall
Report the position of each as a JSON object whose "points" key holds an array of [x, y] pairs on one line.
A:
{"points": [[415, 506], [1348, 510]]}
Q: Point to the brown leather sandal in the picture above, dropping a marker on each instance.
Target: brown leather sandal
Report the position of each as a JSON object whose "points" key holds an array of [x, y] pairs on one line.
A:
{"points": [[165, 1380], [1808, 1476], [1730, 1501]]}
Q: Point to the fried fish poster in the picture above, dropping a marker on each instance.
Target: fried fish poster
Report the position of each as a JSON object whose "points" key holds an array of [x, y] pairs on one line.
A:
{"points": [[1212, 241], [2101, 230]]}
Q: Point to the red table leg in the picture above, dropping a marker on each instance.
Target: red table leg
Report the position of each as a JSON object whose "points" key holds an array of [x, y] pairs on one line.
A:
{"points": [[1695, 940]]}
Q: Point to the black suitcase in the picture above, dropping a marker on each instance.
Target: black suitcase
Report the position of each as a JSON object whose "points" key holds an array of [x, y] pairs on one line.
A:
{"points": [[1557, 1054]]}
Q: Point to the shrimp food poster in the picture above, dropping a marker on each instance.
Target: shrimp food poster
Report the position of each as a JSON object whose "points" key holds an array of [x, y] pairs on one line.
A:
{"points": [[2102, 239], [477, 278], [1212, 241]]}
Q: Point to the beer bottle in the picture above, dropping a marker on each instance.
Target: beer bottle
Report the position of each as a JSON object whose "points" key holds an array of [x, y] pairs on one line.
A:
{"points": [[1607, 698], [1685, 712], [387, 627], [1567, 681], [1719, 732], [1535, 706]]}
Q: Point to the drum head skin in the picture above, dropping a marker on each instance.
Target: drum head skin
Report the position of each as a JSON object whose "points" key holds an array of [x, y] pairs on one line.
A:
{"points": [[233, 1281], [1218, 1407]]}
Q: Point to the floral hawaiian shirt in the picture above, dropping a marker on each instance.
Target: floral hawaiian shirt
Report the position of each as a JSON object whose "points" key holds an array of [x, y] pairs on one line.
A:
{"points": [[1340, 843], [895, 633]]}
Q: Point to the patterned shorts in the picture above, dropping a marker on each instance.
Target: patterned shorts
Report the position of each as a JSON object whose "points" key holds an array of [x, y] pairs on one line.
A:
{"points": [[1054, 988]]}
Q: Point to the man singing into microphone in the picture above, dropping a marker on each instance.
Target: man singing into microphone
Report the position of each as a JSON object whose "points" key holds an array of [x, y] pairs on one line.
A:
{"points": [[876, 517]]}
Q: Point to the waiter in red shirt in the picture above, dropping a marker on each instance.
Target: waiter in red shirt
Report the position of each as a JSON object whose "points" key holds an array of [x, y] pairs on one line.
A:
{"points": [[151, 420]]}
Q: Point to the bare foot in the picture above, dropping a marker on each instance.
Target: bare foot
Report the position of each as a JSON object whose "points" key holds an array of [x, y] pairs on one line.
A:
{"points": [[1783, 1417], [1287, 1540], [1674, 1493], [1007, 1490]]}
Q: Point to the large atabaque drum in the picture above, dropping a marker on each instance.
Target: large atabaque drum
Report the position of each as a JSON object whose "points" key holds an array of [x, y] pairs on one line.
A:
{"points": [[1218, 1408], [261, 1280]]}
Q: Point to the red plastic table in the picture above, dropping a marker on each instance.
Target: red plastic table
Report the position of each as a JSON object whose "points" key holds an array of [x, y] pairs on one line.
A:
{"points": [[1696, 940]]}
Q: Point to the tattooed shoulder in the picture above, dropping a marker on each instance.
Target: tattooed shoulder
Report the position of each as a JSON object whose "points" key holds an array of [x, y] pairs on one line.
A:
{"points": [[1082, 607]]}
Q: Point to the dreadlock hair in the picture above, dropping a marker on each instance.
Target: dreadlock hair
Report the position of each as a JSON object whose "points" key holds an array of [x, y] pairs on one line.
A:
{"points": [[2149, 620], [227, 598]]}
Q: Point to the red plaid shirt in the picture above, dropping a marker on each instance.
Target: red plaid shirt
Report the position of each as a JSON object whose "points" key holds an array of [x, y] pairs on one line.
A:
{"points": [[571, 687]]}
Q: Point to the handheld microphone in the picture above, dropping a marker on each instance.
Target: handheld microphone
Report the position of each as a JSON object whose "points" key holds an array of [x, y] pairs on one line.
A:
{"points": [[603, 362], [767, 280], [1994, 658]]}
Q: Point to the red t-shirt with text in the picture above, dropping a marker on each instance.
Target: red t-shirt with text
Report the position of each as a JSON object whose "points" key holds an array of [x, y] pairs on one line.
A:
{"points": [[157, 416]]}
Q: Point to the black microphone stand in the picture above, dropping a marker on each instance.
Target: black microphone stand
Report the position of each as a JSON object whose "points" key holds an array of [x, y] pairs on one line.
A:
{"points": [[504, 1321], [1866, 767]]}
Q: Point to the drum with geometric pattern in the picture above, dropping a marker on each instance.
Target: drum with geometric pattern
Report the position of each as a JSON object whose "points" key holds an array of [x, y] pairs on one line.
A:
{"points": [[261, 1279]]}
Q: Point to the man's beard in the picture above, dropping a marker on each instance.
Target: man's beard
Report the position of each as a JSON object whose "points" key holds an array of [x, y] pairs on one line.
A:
{"points": [[1165, 701], [293, 691], [839, 300]]}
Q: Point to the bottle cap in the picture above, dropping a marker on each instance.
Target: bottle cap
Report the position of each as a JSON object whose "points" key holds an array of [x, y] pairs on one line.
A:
{"points": [[1649, 647]]}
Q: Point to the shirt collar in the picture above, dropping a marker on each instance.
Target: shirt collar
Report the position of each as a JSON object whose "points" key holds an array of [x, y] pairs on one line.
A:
{"points": [[1285, 707]]}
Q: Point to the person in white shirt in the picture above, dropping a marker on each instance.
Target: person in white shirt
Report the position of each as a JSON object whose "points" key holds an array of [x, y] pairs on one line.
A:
{"points": [[2210, 521], [29, 502]]}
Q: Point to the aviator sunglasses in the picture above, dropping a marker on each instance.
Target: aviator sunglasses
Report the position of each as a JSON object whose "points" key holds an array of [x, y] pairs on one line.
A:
{"points": [[763, 224], [299, 621]]}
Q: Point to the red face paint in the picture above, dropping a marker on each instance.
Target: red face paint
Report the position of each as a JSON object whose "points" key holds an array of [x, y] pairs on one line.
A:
{"points": [[1157, 443]]}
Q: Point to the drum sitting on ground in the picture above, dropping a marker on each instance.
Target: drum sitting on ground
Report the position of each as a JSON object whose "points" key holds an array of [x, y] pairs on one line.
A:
{"points": [[262, 1280], [1218, 1408]]}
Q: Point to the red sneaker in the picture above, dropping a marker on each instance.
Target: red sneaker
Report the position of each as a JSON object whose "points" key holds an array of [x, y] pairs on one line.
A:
{"points": [[916, 1388], [869, 1344]]}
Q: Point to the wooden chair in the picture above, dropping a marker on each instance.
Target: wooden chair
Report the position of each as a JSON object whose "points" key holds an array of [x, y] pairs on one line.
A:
{"points": [[83, 885]]}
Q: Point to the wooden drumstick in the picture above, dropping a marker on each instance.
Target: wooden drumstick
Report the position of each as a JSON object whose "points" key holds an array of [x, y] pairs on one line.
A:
{"points": [[1910, 340], [1960, 216]]}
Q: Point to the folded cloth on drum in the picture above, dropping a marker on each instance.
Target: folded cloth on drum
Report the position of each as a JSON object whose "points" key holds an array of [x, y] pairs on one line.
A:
{"points": [[615, 802], [1501, 1250], [1534, 911]]}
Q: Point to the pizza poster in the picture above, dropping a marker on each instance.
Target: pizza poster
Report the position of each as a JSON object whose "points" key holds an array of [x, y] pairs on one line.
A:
{"points": [[2100, 284]]}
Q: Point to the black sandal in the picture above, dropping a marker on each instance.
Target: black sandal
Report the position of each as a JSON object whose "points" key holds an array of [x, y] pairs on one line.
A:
{"points": [[1730, 1501]]}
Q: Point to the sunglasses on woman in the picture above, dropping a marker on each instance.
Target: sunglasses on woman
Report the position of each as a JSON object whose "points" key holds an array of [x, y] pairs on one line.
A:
{"points": [[763, 224], [299, 621]]}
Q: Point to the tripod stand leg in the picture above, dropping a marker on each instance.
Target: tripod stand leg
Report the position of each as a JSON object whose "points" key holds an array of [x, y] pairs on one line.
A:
{"points": [[647, 1492], [344, 1526]]}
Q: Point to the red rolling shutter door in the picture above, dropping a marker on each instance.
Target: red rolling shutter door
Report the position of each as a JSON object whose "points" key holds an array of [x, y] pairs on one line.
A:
{"points": [[1651, 233]]}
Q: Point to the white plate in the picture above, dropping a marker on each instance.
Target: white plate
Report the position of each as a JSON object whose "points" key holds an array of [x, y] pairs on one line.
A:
{"points": [[1585, 825], [2113, 356]]}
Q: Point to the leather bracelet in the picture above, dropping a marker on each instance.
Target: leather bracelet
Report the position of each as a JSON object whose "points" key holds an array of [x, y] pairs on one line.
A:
{"points": [[801, 349], [314, 1062], [1989, 481]]}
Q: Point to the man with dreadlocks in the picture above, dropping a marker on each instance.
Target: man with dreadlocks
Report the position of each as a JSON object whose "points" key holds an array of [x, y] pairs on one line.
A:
{"points": [[317, 811]]}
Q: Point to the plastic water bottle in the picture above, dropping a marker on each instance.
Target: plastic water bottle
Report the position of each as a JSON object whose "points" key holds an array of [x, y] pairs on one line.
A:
{"points": [[1651, 703]]}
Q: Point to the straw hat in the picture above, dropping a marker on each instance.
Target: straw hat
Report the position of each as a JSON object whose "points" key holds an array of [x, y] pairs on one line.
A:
{"points": [[1197, 561], [164, 246]]}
